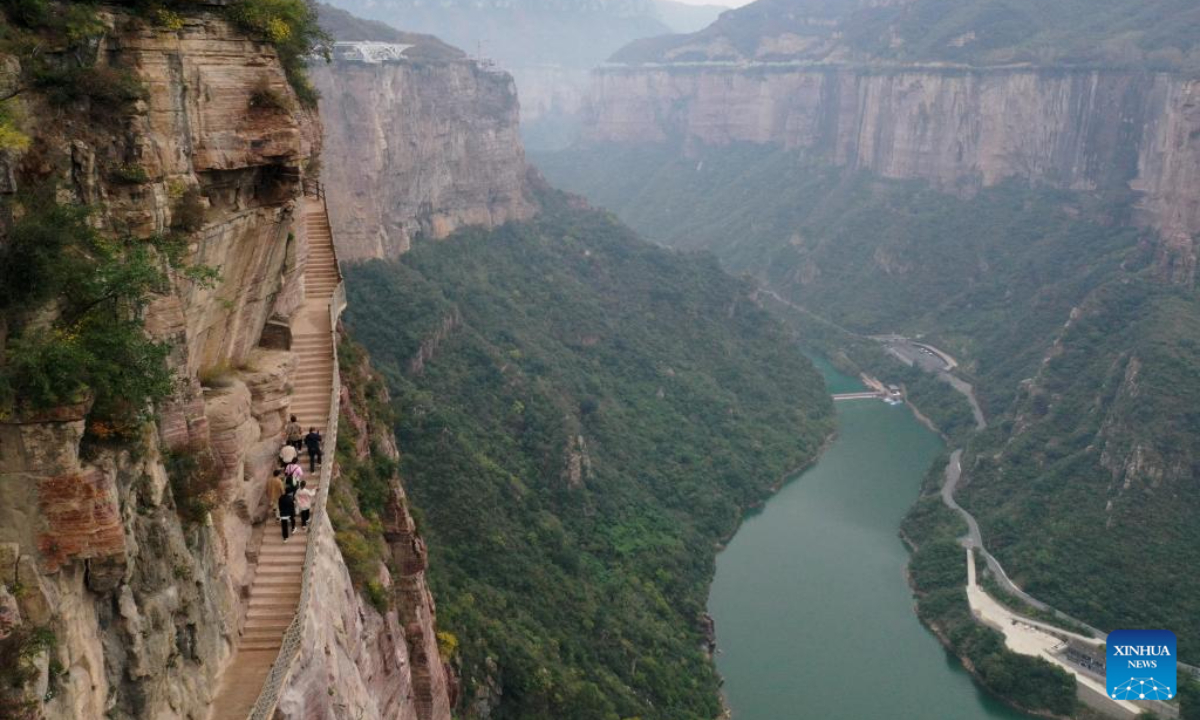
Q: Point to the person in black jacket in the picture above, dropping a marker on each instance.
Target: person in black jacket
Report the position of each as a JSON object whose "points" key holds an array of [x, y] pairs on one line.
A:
{"points": [[287, 514], [312, 441]]}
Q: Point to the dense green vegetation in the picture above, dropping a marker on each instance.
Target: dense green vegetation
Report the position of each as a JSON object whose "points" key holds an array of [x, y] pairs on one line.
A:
{"points": [[366, 474], [1082, 353], [1161, 34], [1102, 465], [71, 298], [293, 28], [991, 278], [20, 649], [582, 416], [938, 572]]}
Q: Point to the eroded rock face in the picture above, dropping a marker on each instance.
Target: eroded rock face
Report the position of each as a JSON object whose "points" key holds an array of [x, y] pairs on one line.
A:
{"points": [[143, 603], [418, 149], [958, 129]]}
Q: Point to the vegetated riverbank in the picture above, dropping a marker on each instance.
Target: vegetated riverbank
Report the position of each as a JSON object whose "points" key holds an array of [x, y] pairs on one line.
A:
{"points": [[938, 576], [937, 570], [820, 567]]}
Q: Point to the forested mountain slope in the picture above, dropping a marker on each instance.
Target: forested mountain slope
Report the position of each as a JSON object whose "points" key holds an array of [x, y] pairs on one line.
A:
{"points": [[583, 418]]}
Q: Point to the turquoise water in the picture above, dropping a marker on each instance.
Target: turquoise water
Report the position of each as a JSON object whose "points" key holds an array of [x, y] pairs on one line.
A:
{"points": [[814, 617]]}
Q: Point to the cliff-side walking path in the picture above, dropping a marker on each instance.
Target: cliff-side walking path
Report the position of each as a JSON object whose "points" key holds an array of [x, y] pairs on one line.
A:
{"points": [[275, 592]]}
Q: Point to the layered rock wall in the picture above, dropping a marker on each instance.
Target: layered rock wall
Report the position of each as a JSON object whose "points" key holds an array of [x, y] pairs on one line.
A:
{"points": [[143, 603], [958, 129], [418, 149]]}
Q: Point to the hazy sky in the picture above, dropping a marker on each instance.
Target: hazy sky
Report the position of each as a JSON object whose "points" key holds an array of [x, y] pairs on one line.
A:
{"points": [[727, 3]]}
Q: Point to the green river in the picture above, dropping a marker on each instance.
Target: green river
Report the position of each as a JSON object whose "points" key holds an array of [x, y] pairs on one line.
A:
{"points": [[814, 617]]}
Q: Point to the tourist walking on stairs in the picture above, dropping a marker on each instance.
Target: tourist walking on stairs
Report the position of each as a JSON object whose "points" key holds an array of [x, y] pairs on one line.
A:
{"points": [[312, 441], [304, 499], [274, 490], [295, 434], [287, 454], [287, 514], [292, 474]]}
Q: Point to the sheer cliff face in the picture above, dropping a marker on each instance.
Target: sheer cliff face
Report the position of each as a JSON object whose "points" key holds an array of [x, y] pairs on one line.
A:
{"points": [[144, 605], [418, 149], [356, 662], [957, 129]]}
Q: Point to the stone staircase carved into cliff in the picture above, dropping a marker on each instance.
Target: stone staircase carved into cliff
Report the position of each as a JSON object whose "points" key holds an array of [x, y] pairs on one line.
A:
{"points": [[269, 640]]}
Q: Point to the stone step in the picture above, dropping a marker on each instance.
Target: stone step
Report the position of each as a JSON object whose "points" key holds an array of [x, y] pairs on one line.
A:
{"points": [[308, 410], [279, 581], [266, 631], [278, 557], [317, 380], [277, 551], [319, 400], [267, 622], [263, 634], [267, 615], [292, 563], [279, 563], [274, 543], [278, 604], [315, 364], [286, 595]]}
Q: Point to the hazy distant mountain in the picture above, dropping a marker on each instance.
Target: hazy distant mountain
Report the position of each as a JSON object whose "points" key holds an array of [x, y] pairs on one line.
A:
{"points": [[1160, 33], [516, 33], [344, 26], [684, 18]]}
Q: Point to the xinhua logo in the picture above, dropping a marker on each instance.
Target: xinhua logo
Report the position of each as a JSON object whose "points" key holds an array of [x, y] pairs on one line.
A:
{"points": [[1141, 665]]}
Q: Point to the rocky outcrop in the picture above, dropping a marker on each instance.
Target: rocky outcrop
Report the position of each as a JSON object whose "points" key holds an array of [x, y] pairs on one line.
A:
{"points": [[959, 129], [421, 148]]}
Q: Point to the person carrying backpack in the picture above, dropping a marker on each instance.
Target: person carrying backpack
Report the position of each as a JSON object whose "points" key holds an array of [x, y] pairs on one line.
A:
{"points": [[292, 474]]}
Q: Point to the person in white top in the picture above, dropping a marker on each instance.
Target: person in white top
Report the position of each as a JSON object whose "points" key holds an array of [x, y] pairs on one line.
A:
{"points": [[287, 454], [304, 501]]}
